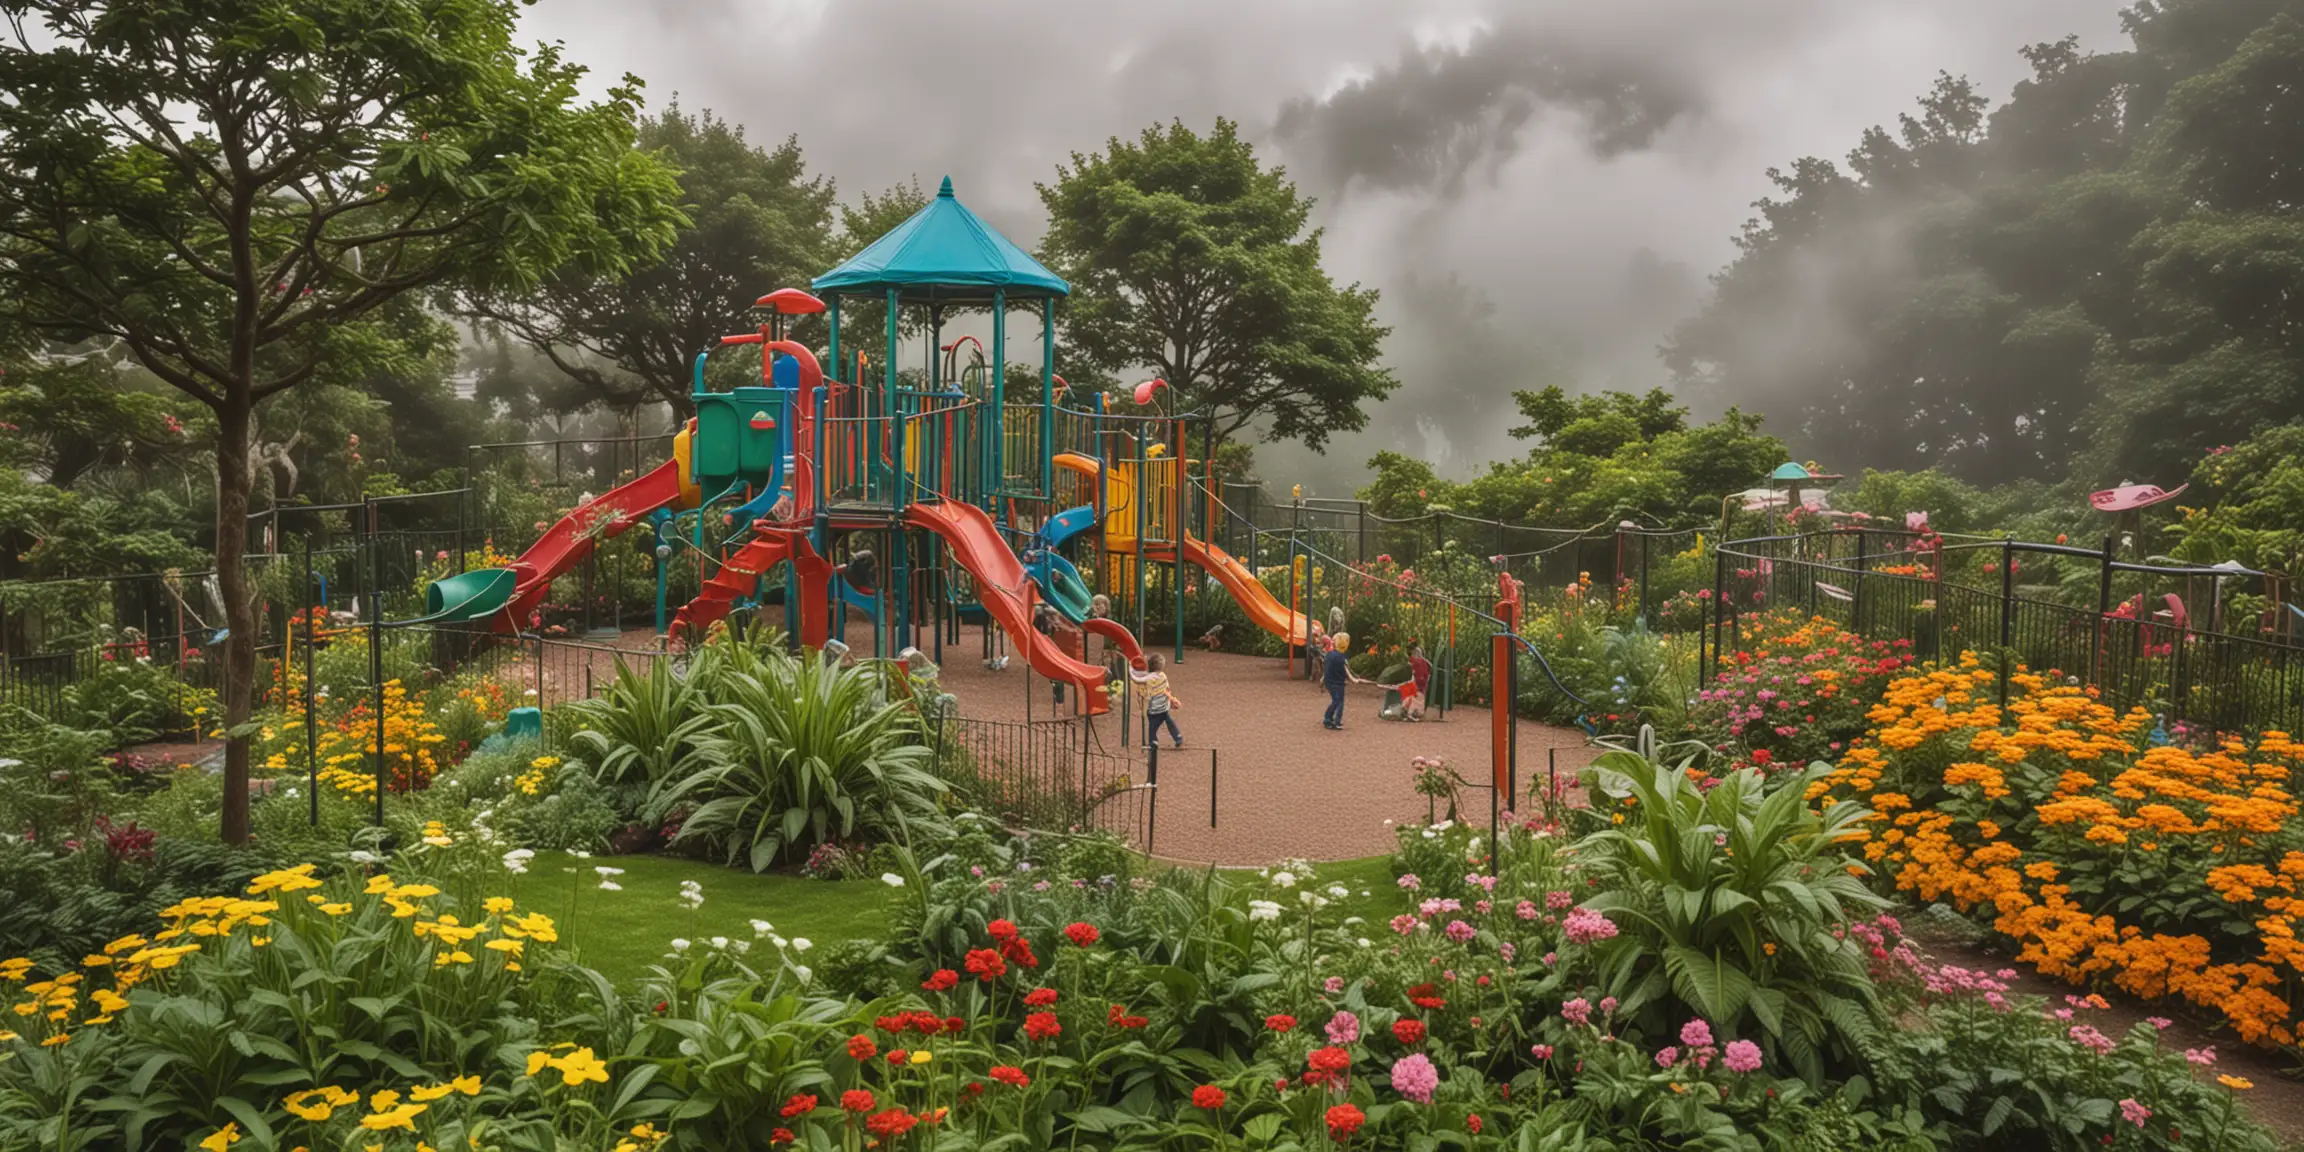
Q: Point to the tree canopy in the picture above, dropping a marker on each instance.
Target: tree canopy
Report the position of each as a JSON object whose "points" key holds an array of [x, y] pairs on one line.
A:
{"points": [[2099, 279], [228, 193], [1191, 260], [756, 222]]}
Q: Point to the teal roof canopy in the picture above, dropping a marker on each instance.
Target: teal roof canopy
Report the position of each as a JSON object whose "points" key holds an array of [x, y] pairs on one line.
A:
{"points": [[1789, 471], [943, 253]]}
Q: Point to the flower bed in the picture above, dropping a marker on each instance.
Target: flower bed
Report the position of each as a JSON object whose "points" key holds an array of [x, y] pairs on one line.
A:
{"points": [[2106, 853], [1797, 690]]}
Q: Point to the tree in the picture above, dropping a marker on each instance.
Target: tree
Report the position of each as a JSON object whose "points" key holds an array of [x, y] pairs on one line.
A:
{"points": [[862, 320], [756, 223], [230, 190], [1191, 260]]}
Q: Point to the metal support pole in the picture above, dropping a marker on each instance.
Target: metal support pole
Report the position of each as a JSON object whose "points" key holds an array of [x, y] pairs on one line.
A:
{"points": [[311, 706], [2007, 614], [1152, 780], [2103, 610], [1177, 532], [376, 650], [1212, 787]]}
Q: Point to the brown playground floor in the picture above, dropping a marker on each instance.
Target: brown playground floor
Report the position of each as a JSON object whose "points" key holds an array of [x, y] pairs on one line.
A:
{"points": [[1286, 787]]}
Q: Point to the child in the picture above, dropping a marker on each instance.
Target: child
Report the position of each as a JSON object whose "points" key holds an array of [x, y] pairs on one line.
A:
{"points": [[1159, 705], [1315, 650], [1412, 694], [1336, 673]]}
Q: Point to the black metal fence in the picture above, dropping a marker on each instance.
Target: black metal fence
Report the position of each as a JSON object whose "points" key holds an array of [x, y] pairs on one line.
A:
{"points": [[2139, 644], [1053, 776]]}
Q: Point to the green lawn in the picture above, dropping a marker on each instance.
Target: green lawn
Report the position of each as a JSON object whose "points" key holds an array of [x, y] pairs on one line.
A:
{"points": [[622, 933]]}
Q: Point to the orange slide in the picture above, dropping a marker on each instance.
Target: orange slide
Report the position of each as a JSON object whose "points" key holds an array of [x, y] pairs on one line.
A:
{"points": [[1263, 609], [1002, 585], [1120, 638], [566, 543], [739, 576]]}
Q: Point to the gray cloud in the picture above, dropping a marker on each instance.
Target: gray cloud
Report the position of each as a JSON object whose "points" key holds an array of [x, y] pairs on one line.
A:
{"points": [[1539, 187]]}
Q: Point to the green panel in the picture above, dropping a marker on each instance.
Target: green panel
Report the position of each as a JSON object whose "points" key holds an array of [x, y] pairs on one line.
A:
{"points": [[717, 450], [757, 446]]}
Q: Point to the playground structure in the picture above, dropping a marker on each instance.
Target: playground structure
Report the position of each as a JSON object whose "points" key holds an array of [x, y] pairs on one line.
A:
{"points": [[905, 495]]}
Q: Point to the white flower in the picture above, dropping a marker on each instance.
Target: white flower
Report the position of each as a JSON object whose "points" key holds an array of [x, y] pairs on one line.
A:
{"points": [[1444, 825], [693, 893], [1263, 910], [10, 762], [762, 927], [1283, 879], [1312, 899], [801, 944], [1339, 891], [803, 972], [516, 861], [679, 945], [778, 941], [740, 946], [579, 853], [891, 879], [359, 856], [610, 886], [1363, 941], [720, 942], [605, 871], [1430, 834]]}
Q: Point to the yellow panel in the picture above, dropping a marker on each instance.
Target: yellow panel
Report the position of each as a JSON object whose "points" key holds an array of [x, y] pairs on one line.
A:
{"points": [[683, 450]]}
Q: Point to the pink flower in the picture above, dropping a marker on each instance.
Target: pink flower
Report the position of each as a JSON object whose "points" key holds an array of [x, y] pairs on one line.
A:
{"points": [[2158, 1023], [1577, 1011], [1415, 1077], [1404, 924], [1584, 926], [1742, 1056], [1541, 1051], [1410, 882], [1551, 958], [1343, 1028], [1334, 984], [2089, 1038], [1696, 1034], [1460, 932], [2202, 1057], [1608, 1005], [2134, 1113], [1667, 1057], [1526, 910], [1558, 900]]}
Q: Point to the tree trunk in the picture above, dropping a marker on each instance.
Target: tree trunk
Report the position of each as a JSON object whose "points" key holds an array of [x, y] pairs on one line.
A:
{"points": [[233, 481]]}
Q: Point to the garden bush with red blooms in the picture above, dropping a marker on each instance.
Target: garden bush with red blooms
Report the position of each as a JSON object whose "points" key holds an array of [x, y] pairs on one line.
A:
{"points": [[1793, 689]]}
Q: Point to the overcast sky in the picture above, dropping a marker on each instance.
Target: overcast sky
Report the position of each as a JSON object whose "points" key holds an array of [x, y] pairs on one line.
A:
{"points": [[1580, 166]]}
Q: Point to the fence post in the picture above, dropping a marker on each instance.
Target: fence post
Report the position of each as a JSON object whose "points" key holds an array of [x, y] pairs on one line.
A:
{"points": [[376, 651], [1719, 606], [1212, 787], [311, 706], [1644, 541], [2103, 613], [1152, 780], [2007, 613], [1856, 594]]}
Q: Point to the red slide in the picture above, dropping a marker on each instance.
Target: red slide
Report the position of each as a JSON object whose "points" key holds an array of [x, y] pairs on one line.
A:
{"points": [[1262, 608], [1002, 585], [739, 576], [567, 543], [1120, 638]]}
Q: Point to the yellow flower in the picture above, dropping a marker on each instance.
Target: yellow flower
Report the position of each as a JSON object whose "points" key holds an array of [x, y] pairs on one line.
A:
{"points": [[538, 1061], [430, 1091], [2236, 1083], [222, 1138], [402, 1116], [468, 1085], [56, 1040], [336, 909], [922, 1056], [497, 904], [580, 1067]]}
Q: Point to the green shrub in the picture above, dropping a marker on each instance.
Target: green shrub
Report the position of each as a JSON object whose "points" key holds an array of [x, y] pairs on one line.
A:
{"points": [[1731, 892]]}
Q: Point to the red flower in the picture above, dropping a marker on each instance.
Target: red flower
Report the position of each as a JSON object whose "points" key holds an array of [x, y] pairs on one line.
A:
{"points": [[925, 1023], [1018, 951], [942, 980], [1208, 1097], [1472, 1124], [1042, 1025], [1081, 934], [1280, 1023], [1118, 1017], [892, 1123], [861, 1048], [800, 1104], [1010, 1075], [857, 1100], [954, 1024], [894, 1025], [1280, 1085], [1344, 1120], [897, 1056], [1329, 1060], [985, 965], [1040, 998], [1409, 1032], [1001, 930], [781, 1136], [1426, 996]]}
